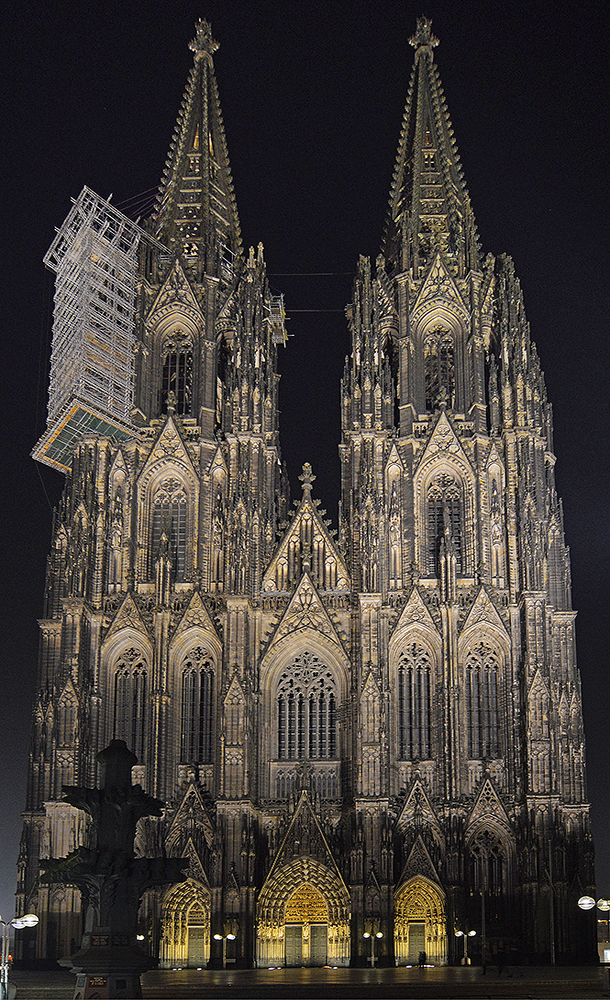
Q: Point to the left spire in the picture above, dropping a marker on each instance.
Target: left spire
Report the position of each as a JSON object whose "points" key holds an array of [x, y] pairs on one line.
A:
{"points": [[196, 213]]}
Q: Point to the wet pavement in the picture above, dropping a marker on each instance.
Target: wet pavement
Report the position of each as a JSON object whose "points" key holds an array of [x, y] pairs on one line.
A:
{"points": [[335, 984]]}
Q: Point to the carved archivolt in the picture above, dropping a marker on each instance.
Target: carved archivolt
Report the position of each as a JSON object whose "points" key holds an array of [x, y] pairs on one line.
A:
{"points": [[420, 901], [285, 893], [185, 905]]}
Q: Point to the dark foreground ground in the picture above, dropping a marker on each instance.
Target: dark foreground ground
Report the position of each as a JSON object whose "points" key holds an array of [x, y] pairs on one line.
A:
{"points": [[336, 984]]}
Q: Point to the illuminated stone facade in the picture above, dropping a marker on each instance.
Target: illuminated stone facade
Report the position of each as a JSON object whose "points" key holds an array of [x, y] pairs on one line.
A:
{"points": [[377, 732]]}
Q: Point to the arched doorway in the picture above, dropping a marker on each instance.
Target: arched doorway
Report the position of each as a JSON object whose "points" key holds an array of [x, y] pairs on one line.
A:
{"points": [[303, 916], [306, 927], [420, 922], [185, 919]]}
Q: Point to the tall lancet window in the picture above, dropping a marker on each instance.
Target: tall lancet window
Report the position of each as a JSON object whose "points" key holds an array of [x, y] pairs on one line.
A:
{"points": [[439, 368], [169, 518], [197, 707], [306, 710], [482, 712], [414, 703], [177, 373], [444, 512], [130, 701]]}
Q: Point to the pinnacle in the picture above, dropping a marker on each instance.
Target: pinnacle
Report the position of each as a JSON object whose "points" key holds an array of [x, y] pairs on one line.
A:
{"points": [[423, 37], [203, 43]]}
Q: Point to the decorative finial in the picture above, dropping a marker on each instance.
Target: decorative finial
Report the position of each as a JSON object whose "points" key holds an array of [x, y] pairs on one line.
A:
{"points": [[423, 37], [203, 43], [307, 478]]}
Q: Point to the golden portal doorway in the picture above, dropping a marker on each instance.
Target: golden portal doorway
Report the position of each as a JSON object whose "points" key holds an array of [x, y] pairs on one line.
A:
{"points": [[306, 928], [420, 922], [185, 922], [302, 916]]}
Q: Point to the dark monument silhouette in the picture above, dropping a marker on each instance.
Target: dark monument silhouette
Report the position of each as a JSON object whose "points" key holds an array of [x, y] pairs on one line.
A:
{"points": [[111, 879]]}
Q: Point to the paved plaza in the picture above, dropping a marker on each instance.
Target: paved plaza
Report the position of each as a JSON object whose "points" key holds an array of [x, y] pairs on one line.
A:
{"points": [[351, 984]]}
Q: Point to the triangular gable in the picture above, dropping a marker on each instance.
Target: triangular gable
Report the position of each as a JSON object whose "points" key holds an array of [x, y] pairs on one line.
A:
{"points": [[127, 616], [334, 575], [196, 616], [190, 815], [169, 446], [118, 466], [371, 686], [394, 458], [417, 810], [414, 612], [195, 869], [419, 862], [235, 693], [305, 611], [438, 285], [483, 610], [488, 806], [68, 692], [175, 294], [304, 839], [538, 686], [445, 443]]}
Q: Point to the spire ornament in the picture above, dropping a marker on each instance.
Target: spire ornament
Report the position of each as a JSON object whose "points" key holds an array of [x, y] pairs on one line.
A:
{"points": [[204, 42], [307, 478], [423, 37]]}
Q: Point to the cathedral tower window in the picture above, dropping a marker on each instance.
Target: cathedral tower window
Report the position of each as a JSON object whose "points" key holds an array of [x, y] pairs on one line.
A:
{"points": [[130, 701], [169, 518], [177, 374], [306, 707], [482, 716], [444, 510], [439, 368], [197, 707], [414, 704]]}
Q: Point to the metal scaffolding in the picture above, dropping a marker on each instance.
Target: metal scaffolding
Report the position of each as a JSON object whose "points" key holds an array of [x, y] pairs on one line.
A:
{"points": [[93, 349]]}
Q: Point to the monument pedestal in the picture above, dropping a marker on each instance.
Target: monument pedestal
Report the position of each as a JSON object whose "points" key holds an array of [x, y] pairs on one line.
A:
{"points": [[108, 967]]}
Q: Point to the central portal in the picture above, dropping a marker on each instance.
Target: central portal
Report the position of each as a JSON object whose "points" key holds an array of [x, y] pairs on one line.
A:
{"points": [[306, 930]]}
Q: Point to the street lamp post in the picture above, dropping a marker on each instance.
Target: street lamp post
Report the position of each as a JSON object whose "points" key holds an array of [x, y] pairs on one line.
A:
{"points": [[465, 935], [18, 923], [587, 903], [373, 936], [224, 938]]}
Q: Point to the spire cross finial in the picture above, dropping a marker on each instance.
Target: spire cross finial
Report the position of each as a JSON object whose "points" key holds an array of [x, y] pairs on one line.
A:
{"points": [[203, 43], [423, 37], [307, 478]]}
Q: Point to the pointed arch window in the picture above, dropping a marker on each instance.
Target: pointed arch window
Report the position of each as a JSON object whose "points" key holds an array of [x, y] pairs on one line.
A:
{"points": [[414, 741], [177, 373], [444, 513], [169, 518], [482, 714], [439, 368], [131, 701], [306, 710], [197, 707]]}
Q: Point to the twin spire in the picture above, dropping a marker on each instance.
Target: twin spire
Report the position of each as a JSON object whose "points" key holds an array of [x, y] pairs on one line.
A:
{"points": [[429, 212], [196, 213], [429, 209]]}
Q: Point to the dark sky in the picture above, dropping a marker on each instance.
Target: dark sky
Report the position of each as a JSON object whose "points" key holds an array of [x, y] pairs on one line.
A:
{"points": [[312, 96]]}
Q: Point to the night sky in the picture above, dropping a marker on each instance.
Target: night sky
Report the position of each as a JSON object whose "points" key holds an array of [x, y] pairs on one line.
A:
{"points": [[312, 97]]}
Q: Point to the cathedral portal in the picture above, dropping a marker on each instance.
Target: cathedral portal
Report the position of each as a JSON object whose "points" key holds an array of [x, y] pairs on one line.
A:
{"points": [[303, 917], [420, 922], [186, 926]]}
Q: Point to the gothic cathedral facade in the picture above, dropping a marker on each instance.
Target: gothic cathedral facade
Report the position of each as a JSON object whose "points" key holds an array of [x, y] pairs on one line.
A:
{"points": [[366, 735]]}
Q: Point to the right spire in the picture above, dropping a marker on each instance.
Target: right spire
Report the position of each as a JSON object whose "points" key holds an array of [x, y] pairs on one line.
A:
{"points": [[429, 211]]}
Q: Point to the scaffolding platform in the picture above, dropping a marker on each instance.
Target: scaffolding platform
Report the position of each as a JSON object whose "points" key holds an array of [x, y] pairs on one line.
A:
{"points": [[91, 386], [277, 319]]}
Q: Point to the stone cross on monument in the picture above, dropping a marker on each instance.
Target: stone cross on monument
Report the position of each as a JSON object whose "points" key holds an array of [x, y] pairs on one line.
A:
{"points": [[111, 879]]}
